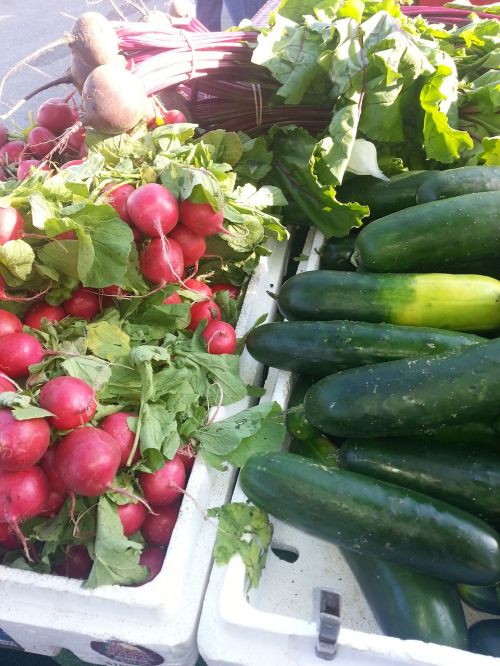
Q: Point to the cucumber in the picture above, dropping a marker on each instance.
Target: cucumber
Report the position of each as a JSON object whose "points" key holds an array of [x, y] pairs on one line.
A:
{"points": [[307, 441], [454, 182], [465, 476], [374, 518], [382, 196], [409, 397], [457, 235], [335, 255], [321, 348], [483, 598], [484, 637], [438, 300], [408, 604]]}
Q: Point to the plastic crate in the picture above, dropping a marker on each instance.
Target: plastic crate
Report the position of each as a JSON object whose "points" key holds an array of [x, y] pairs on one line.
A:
{"points": [[276, 625], [157, 622]]}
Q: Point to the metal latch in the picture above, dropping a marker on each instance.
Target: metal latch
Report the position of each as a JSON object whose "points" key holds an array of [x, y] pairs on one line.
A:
{"points": [[327, 614]]}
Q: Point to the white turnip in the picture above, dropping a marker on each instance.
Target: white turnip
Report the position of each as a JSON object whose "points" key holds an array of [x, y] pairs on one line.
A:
{"points": [[71, 400], [22, 443]]}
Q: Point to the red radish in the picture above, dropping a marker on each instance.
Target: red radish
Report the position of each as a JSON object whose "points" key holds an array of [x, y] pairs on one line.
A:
{"points": [[24, 168], [6, 384], [22, 443], [11, 224], [11, 152], [4, 531], [66, 165], [193, 245], [34, 315], [153, 209], [17, 352], [116, 425], [161, 261], [198, 286], [173, 299], [83, 303], [48, 464], [76, 140], [54, 504], [3, 175], [4, 135], [201, 218], [158, 526], [41, 141], [165, 485], [9, 323], [208, 310], [66, 235], [23, 495], [117, 196], [87, 461], [132, 517], [56, 114], [71, 400], [220, 337], [175, 116], [77, 562], [11, 542], [83, 152], [188, 455], [152, 557], [231, 288]]}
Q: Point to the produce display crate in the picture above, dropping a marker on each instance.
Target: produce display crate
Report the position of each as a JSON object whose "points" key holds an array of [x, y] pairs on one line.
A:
{"points": [[155, 623], [277, 623]]}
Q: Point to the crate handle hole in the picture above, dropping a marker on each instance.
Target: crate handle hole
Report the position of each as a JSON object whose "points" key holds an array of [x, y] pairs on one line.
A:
{"points": [[285, 553]]}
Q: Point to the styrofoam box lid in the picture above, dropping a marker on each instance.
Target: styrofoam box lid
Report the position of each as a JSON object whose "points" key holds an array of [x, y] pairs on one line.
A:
{"points": [[274, 624], [44, 613]]}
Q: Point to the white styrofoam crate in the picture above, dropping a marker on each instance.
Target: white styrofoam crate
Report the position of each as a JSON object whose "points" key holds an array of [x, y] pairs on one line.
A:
{"points": [[157, 622], [274, 625]]}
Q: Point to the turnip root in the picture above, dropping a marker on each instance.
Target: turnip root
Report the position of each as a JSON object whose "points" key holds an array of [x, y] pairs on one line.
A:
{"points": [[113, 100]]}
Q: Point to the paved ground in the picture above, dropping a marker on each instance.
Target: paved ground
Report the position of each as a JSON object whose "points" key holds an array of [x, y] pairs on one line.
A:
{"points": [[26, 25]]}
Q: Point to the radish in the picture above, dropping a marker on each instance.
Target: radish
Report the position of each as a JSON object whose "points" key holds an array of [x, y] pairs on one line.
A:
{"points": [[220, 337], [11, 152], [77, 562], [56, 115], [11, 224], [71, 400], [23, 495], [152, 557], [153, 209], [17, 352], [66, 165], [22, 443], [11, 542], [117, 196], [173, 299], [230, 288], [161, 261], [9, 323], [4, 135], [87, 461], [158, 526], [116, 425], [83, 303], [208, 310], [175, 116], [198, 286], [193, 245], [48, 464], [41, 141], [75, 140], [4, 532], [188, 455], [66, 235], [52, 314], [132, 517], [113, 99], [165, 485], [24, 168], [201, 218], [6, 384], [54, 504]]}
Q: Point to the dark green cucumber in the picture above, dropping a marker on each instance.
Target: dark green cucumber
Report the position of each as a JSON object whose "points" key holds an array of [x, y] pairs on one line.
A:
{"points": [[484, 638], [438, 300], [465, 476], [454, 182], [409, 397], [455, 235], [408, 604], [321, 348], [472, 433], [335, 255], [483, 598], [307, 440], [382, 196], [374, 518]]}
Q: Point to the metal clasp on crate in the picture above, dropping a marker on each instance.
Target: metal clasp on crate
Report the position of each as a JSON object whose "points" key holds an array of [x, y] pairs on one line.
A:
{"points": [[327, 615]]}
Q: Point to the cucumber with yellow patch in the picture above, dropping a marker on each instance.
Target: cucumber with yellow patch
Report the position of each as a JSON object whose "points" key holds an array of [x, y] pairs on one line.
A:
{"points": [[440, 300]]}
